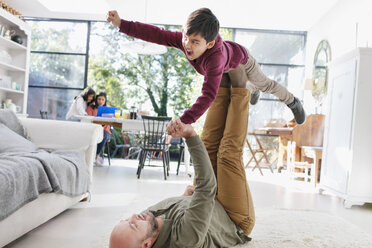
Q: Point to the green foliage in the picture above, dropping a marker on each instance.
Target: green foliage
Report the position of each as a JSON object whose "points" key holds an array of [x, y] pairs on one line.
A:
{"points": [[47, 38], [226, 33], [166, 79], [103, 77]]}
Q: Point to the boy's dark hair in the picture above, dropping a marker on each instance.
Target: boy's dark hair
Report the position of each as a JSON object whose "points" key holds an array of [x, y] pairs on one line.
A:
{"points": [[204, 22], [102, 93]]}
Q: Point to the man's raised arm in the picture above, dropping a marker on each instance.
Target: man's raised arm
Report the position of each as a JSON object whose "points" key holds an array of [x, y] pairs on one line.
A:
{"points": [[197, 217]]}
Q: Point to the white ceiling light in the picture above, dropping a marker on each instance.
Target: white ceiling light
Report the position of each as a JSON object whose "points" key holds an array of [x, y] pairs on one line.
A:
{"points": [[77, 6]]}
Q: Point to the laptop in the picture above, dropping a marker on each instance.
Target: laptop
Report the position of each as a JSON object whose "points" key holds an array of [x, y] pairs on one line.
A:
{"points": [[106, 111]]}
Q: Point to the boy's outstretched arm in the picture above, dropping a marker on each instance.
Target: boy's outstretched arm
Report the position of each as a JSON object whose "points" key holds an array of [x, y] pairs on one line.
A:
{"points": [[146, 32]]}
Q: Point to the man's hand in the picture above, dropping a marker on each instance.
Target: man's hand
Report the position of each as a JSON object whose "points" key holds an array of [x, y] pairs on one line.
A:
{"points": [[178, 129], [189, 190], [114, 18]]}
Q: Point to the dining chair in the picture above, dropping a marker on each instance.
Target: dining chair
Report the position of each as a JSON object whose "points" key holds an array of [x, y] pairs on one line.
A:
{"points": [[258, 150], [118, 144], [107, 146], [155, 140], [134, 139], [299, 169], [44, 114], [127, 147]]}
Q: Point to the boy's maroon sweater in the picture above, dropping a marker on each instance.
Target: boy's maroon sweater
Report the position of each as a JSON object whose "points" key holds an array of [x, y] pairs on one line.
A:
{"points": [[224, 55]]}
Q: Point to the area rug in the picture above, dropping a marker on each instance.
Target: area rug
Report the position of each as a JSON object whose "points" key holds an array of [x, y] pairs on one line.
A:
{"points": [[284, 228], [298, 228]]}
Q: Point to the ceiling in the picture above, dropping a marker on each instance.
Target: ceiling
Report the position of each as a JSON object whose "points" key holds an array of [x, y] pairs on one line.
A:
{"points": [[256, 14]]}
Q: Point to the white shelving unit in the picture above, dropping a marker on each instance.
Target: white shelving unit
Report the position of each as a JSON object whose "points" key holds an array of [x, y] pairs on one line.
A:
{"points": [[11, 90], [10, 67], [18, 68]]}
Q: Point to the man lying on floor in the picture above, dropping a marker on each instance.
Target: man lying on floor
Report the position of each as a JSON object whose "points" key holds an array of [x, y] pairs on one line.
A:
{"points": [[195, 219]]}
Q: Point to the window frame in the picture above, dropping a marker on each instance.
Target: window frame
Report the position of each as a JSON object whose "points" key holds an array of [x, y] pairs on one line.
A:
{"points": [[86, 53]]}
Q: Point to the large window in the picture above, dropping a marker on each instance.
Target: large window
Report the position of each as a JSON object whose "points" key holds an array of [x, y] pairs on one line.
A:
{"points": [[58, 65], [281, 56]]}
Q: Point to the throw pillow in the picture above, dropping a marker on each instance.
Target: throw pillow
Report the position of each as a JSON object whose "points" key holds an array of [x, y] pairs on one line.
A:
{"points": [[9, 119], [12, 142]]}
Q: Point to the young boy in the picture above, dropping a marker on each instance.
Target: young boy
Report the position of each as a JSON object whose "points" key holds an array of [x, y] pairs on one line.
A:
{"points": [[211, 57]]}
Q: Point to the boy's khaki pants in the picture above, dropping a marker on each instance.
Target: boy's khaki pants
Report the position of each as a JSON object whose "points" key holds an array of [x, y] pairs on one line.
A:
{"points": [[224, 134], [250, 76]]}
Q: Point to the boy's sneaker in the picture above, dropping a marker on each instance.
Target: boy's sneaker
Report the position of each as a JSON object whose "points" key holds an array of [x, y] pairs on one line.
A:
{"points": [[298, 111], [254, 97]]}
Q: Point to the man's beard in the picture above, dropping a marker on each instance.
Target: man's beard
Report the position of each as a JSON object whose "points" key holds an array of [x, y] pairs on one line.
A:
{"points": [[154, 225]]}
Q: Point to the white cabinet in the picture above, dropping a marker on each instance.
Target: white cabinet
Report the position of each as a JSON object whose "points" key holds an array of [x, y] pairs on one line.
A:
{"points": [[14, 61], [347, 155]]}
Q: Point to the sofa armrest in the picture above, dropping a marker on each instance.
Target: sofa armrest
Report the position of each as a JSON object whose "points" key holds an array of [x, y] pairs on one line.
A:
{"points": [[53, 134], [65, 135]]}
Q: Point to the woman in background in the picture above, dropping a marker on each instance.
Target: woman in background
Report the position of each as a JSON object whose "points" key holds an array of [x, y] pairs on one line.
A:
{"points": [[101, 100], [81, 102]]}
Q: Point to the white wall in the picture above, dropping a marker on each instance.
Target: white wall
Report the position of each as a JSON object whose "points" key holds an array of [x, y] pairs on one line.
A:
{"points": [[339, 27]]}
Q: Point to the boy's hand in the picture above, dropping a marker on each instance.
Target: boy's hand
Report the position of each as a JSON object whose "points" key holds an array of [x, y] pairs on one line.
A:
{"points": [[114, 18], [178, 129]]}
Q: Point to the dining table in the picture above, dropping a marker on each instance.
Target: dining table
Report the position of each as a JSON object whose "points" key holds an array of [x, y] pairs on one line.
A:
{"points": [[127, 125]]}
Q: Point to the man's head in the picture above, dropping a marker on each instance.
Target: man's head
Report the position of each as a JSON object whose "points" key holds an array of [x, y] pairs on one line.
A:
{"points": [[199, 32], [139, 231]]}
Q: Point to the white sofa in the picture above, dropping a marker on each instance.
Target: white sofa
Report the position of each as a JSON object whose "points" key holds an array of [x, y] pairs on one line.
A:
{"points": [[51, 134]]}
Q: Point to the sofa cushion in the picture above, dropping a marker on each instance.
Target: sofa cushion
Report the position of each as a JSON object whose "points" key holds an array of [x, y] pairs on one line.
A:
{"points": [[9, 119], [11, 142]]}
